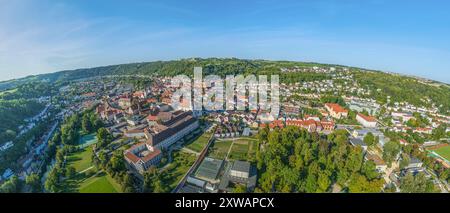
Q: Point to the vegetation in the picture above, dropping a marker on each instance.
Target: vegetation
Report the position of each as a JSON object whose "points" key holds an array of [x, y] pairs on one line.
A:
{"points": [[294, 160]]}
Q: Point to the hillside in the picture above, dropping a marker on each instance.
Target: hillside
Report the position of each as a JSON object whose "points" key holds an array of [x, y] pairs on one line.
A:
{"points": [[398, 87]]}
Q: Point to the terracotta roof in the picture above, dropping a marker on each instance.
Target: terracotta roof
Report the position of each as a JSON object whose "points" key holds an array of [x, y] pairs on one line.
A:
{"points": [[132, 157], [151, 155], [367, 118], [152, 118], [336, 107]]}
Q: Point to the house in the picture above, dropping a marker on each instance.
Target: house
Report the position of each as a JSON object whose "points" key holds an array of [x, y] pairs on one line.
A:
{"points": [[336, 111], [366, 121], [141, 156], [380, 165]]}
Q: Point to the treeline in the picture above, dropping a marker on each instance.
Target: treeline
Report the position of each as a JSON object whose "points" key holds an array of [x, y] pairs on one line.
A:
{"points": [[34, 89], [293, 160], [401, 88], [64, 142], [12, 115]]}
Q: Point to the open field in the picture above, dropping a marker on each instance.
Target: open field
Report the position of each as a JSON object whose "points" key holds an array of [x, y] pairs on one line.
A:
{"points": [[177, 169], [100, 183], [444, 152], [91, 180], [198, 144], [219, 149], [241, 149], [81, 159]]}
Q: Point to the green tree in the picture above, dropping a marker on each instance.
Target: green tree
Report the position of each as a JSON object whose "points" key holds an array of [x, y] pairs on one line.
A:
{"points": [[34, 182]]}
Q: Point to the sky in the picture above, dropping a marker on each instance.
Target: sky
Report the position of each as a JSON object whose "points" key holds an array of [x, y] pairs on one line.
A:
{"points": [[404, 36]]}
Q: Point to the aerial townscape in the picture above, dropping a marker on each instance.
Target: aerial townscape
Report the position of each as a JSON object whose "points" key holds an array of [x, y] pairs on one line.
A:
{"points": [[339, 129]]}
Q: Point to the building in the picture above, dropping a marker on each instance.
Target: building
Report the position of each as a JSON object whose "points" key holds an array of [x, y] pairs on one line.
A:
{"points": [[240, 173], [414, 163], [366, 121], [336, 111], [172, 127], [380, 165], [141, 156], [358, 142]]}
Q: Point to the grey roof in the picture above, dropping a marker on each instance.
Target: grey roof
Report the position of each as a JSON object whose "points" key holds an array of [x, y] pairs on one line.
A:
{"points": [[357, 141], [209, 169], [414, 160], [242, 166]]}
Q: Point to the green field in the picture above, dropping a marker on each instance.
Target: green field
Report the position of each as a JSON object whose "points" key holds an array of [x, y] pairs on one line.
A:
{"points": [[100, 183], [198, 144], [242, 149], [219, 149], [91, 180], [177, 169], [239, 151], [444, 152], [80, 160]]}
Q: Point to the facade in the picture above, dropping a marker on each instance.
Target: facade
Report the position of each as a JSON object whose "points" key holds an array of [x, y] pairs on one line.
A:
{"points": [[173, 127], [141, 156], [336, 111], [366, 121]]}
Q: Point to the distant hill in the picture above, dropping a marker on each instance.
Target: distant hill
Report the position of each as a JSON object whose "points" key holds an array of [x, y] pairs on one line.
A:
{"points": [[399, 87]]}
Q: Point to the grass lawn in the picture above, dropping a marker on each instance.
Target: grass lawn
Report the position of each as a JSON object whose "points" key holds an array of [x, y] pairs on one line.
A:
{"points": [[198, 144], [177, 169], [219, 149], [444, 152], [100, 183], [88, 182], [80, 160], [239, 151]]}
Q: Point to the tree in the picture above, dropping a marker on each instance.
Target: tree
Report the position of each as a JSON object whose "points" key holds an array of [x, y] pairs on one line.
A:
{"points": [[369, 139], [13, 185], [240, 189], [390, 151], [86, 123], [103, 137], [34, 182], [416, 184], [71, 172]]}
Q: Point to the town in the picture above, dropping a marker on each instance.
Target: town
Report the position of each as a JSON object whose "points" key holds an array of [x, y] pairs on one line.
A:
{"points": [[123, 134]]}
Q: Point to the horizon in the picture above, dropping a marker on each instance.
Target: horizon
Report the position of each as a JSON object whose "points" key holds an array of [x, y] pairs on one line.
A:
{"points": [[376, 35], [224, 58]]}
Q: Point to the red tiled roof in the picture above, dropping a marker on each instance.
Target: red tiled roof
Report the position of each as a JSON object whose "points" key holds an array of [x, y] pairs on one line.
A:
{"points": [[152, 155], [132, 157], [152, 118], [367, 118], [336, 108]]}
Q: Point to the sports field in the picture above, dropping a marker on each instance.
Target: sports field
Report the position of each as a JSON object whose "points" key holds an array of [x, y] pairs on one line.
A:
{"points": [[99, 183], [444, 152], [87, 140]]}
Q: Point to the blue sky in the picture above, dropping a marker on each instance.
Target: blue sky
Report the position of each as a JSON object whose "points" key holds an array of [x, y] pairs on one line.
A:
{"points": [[41, 36]]}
